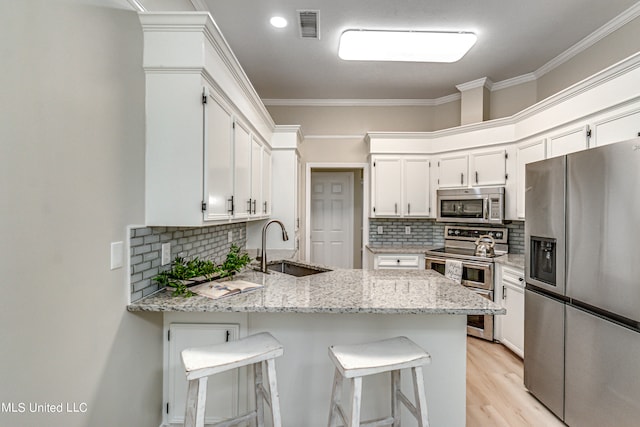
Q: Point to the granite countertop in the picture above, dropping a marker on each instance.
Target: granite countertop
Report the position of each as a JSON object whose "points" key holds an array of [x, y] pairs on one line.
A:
{"points": [[337, 291], [513, 260], [400, 249]]}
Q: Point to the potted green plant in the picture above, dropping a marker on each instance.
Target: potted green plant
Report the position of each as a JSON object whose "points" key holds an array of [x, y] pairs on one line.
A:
{"points": [[234, 262], [184, 273]]}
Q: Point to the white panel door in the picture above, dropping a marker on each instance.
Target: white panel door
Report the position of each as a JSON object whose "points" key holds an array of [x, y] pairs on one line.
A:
{"points": [[222, 389], [527, 153], [387, 181], [332, 219], [242, 170], [416, 187]]}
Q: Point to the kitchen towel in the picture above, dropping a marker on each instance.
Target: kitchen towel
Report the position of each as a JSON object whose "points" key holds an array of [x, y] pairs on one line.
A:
{"points": [[453, 270]]}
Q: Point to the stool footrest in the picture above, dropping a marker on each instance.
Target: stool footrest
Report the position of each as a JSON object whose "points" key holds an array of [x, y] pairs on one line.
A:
{"points": [[410, 406], [378, 422], [236, 420]]}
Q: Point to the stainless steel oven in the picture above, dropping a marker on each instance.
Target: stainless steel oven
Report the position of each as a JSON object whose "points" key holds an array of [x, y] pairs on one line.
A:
{"points": [[478, 277], [477, 271]]}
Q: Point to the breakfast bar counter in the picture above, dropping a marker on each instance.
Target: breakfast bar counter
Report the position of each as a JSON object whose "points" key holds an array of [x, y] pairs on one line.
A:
{"points": [[337, 291], [308, 314]]}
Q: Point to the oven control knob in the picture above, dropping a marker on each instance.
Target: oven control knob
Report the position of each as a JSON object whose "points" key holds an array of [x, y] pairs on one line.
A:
{"points": [[457, 232]]}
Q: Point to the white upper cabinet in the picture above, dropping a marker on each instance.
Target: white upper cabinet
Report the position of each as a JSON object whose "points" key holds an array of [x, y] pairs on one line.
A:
{"points": [[453, 171], [528, 152], [401, 186], [264, 205], [488, 167], [416, 186], [218, 148], [242, 170], [256, 177], [202, 117], [569, 141], [387, 186], [617, 128]]}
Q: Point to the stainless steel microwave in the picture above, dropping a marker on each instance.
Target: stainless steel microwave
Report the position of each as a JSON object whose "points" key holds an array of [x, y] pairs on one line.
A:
{"points": [[471, 205]]}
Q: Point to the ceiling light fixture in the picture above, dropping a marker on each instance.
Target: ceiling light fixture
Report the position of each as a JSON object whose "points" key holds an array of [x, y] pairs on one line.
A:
{"points": [[278, 22], [404, 46]]}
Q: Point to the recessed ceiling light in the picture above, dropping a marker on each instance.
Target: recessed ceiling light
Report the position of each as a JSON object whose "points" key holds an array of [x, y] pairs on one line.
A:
{"points": [[278, 22], [406, 46]]}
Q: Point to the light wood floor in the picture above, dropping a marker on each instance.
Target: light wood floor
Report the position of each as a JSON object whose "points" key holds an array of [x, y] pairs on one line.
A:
{"points": [[496, 396]]}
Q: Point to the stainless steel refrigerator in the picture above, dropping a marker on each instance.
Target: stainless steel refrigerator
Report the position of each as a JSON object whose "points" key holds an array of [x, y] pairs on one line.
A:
{"points": [[582, 298]]}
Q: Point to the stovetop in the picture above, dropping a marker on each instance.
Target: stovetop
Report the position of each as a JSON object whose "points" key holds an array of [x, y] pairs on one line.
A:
{"points": [[460, 243]]}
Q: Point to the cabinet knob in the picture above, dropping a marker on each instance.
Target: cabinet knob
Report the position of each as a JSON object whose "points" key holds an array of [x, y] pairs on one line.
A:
{"points": [[521, 279]]}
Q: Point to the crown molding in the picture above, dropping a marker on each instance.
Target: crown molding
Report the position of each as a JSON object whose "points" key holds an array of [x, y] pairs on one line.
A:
{"points": [[137, 6], [608, 28], [361, 102], [297, 129], [482, 82], [199, 5], [515, 81]]}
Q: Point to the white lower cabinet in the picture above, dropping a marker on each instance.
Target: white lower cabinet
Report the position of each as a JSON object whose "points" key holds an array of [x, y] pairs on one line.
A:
{"points": [[398, 261], [510, 289], [222, 392]]}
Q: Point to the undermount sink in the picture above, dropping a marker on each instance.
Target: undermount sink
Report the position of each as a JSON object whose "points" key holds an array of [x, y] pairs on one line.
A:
{"points": [[295, 269]]}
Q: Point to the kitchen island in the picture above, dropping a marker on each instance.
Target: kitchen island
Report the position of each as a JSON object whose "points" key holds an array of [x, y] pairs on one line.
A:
{"points": [[307, 314]]}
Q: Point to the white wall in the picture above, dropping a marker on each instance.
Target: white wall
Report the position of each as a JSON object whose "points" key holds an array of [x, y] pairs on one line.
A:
{"points": [[71, 179]]}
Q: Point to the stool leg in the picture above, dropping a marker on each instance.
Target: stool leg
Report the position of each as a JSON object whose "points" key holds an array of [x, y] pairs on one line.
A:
{"points": [[196, 401], [356, 400], [273, 391], [258, 384], [395, 403], [336, 395], [421, 399]]}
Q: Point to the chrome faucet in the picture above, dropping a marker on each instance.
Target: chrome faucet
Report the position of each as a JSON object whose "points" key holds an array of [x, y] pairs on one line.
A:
{"points": [[263, 258]]}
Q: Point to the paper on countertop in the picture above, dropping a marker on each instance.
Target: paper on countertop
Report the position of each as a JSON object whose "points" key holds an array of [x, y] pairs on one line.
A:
{"points": [[217, 290], [453, 270]]}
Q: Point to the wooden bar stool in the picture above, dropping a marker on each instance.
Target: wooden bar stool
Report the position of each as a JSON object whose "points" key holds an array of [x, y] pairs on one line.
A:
{"points": [[390, 355], [202, 362]]}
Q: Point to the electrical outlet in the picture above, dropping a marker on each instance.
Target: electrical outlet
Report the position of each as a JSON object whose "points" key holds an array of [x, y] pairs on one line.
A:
{"points": [[166, 254], [117, 255], [230, 236], [379, 229], [407, 230]]}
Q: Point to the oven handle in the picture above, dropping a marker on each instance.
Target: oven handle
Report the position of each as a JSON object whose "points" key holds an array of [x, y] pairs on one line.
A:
{"points": [[482, 265]]}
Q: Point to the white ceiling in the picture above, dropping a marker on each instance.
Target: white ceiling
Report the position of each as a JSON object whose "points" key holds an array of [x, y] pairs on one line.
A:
{"points": [[515, 38]]}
